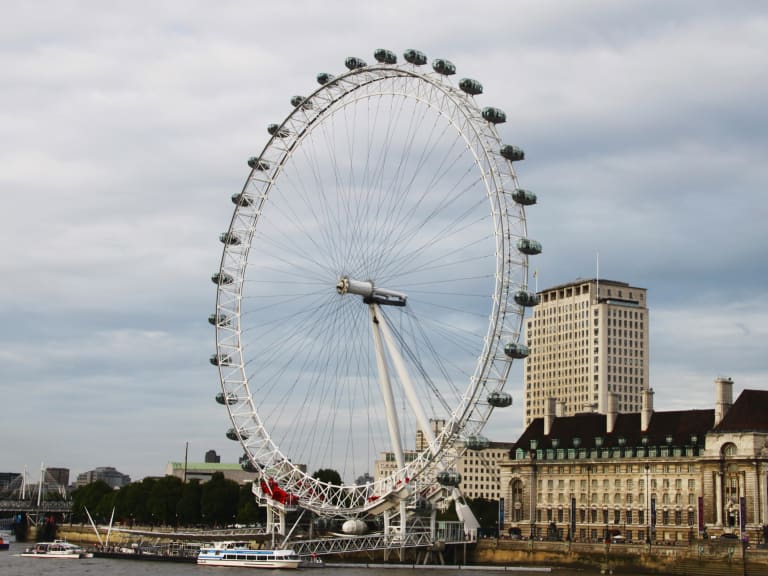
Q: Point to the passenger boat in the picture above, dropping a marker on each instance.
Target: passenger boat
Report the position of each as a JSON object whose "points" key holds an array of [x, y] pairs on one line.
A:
{"points": [[56, 549], [240, 554]]}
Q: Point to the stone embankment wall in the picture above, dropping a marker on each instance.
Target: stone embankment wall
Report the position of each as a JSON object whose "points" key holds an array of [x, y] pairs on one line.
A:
{"points": [[700, 559]]}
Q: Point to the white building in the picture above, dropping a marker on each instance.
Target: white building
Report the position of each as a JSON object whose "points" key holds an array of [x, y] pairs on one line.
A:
{"points": [[587, 339]]}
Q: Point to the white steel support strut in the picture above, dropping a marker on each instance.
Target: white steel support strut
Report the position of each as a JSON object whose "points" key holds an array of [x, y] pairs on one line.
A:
{"points": [[386, 391], [405, 379]]}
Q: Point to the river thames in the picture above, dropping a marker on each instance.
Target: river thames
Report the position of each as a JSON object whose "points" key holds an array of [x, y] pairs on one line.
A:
{"points": [[11, 564]]}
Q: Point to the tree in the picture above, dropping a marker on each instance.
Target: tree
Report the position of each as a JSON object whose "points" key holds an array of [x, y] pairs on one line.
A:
{"points": [[88, 496], [327, 475], [218, 500], [188, 506]]}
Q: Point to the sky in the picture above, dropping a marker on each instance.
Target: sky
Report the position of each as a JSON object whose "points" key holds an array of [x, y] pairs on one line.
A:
{"points": [[124, 130]]}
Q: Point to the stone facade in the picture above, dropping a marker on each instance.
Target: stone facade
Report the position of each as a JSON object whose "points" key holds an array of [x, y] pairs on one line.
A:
{"points": [[649, 476]]}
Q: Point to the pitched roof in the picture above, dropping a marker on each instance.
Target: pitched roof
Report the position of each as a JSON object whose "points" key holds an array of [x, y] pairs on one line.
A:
{"points": [[748, 413], [680, 426]]}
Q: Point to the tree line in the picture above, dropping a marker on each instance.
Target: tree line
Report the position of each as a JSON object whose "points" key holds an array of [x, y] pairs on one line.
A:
{"points": [[219, 502], [169, 501]]}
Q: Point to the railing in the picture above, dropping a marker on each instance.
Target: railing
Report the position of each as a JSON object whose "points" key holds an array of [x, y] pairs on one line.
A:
{"points": [[28, 506]]}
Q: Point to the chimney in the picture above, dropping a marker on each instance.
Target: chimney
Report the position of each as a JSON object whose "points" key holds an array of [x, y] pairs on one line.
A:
{"points": [[723, 398], [647, 410], [560, 409], [610, 416], [549, 414]]}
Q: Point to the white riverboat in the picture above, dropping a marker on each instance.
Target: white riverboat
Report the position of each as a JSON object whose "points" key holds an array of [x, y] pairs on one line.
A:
{"points": [[57, 549], [242, 555]]}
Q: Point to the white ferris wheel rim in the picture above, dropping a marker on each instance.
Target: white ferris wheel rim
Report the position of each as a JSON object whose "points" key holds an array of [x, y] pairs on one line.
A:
{"points": [[470, 409]]}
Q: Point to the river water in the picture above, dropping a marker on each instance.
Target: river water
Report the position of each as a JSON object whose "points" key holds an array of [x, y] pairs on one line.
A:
{"points": [[11, 564]]}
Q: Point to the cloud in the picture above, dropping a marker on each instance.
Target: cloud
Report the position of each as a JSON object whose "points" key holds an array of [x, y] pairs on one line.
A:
{"points": [[124, 130]]}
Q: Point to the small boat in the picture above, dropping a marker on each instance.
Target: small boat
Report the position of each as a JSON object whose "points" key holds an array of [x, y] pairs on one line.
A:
{"points": [[56, 549], [4, 544], [242, 555]]}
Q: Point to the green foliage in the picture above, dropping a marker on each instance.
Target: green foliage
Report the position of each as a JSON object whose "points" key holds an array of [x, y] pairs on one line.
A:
{"points": [[170, 502], [328, 475]]}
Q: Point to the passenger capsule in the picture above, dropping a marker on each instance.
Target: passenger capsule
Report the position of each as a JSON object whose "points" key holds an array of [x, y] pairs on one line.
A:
{"points": [[246, 464], [470, 86], [494, 115], [230, 239], [258, 164], [415, 57], [218, 320], [324, 77], [526, 298], [222, 278], [512, 153], [524, 197], [301, 102], [228, 399], [449, 478], [477, 442], [353, 62], [232, 434], [444, 67], [385, 56], [528, 246], [241, 199], [514, 350], [500, 399], [221, 360], [277, 132]]}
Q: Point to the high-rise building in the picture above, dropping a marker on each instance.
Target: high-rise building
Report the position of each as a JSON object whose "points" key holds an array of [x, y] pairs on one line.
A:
{"points": [[587, 338]]}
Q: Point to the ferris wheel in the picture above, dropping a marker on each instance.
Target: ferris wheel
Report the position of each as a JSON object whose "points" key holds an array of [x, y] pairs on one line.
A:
{"points": [[372, 286]]}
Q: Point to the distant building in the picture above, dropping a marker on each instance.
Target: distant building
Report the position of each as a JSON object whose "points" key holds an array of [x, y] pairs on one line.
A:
{"points": [[212, 458], [106, 474], [647, 476], [7, 478], [59, 475], [587, 339], [479, 469], [204, 471]]}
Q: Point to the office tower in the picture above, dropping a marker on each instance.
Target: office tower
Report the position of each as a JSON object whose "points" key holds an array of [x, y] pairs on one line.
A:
{"points": [[587, 338]]}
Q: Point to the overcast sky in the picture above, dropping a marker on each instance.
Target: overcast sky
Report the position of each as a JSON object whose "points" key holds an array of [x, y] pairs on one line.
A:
{"points": [[125, 126]]}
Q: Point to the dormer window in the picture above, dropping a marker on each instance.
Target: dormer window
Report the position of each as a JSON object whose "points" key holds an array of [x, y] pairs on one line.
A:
{"points": [[598, 440]]}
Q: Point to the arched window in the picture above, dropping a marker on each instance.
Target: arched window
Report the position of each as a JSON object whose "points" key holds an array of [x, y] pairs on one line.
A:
{"points": [[728, 450], [517, 500]]}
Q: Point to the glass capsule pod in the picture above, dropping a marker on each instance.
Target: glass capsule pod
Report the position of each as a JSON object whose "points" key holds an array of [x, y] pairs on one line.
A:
{"points": [[448, 478], [258, 164], [232, 434], [301, 102], [230, 239], [526, 298], [500, 399], [514, 350], [528, 246], [218, 320], [524, 197], [324, 77], [220, 360], [241, 199], [222, 278], [444, 67], [353, 62], [385, 56], [415, 57], [277, 132], [494, 115], [246, 464], [228, 399], [512, 153], [477, 442], [471, 86]]}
